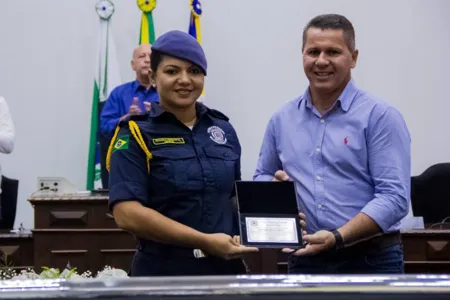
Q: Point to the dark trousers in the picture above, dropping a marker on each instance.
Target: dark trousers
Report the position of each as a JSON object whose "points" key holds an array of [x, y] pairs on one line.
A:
{"points": [[387, 260], [145, 264]]}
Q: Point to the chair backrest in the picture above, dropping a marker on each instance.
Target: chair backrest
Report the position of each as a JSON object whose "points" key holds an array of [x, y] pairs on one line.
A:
{"points": [[430, 193], [10, 188]]}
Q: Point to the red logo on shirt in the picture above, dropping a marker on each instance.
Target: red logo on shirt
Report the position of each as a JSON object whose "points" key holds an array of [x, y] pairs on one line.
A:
{"points": [[346, 140]]}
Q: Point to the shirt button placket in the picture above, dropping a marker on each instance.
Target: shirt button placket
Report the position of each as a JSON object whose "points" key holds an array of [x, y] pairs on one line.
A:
{"points": [[319, 171]]}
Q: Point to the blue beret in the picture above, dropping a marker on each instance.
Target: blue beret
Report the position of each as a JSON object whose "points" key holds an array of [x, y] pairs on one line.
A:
{"points": [[181, 45]]}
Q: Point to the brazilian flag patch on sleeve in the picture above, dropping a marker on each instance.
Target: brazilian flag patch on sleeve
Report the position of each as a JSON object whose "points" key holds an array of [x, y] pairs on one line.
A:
{"points": [[121, 143]]}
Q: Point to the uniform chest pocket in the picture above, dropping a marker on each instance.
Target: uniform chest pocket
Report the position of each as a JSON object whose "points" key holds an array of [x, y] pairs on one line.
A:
{"points": [[222, 159], [171, 167]]}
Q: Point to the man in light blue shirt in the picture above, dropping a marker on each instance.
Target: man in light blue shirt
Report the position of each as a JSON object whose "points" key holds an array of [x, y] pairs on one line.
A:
{"points": [[349, 155]]}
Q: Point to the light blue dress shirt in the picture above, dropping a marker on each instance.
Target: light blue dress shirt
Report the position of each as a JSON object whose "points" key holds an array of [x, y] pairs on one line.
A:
{"points": [[118, 103], [354, 158]]}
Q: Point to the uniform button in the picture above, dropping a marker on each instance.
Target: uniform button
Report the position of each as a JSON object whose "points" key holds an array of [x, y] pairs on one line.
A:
{"points": [[319, 206], [318, 178], [322, 121], [317, 149]]}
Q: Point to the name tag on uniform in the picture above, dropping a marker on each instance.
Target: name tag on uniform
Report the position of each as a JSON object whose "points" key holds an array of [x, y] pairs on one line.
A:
{"points": [[163, 141]]}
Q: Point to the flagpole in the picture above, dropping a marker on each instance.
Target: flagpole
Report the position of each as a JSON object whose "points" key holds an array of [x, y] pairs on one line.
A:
{"points": [[103, 83]]}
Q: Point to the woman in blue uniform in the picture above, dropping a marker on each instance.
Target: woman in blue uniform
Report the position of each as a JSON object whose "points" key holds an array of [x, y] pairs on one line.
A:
{"points": [[172, 172]]}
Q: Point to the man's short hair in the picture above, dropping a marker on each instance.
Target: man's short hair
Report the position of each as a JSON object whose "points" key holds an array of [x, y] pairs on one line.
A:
{"points": [[332, 21]]}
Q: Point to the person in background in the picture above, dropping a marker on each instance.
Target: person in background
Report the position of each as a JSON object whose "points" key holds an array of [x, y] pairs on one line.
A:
{"points": [[127, 99], [7, 135], [172, 172], [348, 153]]}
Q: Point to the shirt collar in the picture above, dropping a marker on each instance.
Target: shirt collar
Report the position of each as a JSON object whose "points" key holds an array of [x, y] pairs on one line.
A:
{"points": [[347, 95], [136, 85], [345, 98], [156, 110]]}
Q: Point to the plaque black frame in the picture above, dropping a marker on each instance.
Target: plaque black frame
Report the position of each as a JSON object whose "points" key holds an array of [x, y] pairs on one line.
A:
{"points": [[267, 199]]}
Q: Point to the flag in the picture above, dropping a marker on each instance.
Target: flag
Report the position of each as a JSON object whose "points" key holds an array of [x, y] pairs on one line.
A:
{"points": [[147, 31], [194, 24], [107, 77]]}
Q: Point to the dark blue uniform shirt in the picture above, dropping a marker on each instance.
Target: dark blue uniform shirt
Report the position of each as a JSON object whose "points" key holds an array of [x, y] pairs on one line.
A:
{"points": [[192, 172], [119, 102]]}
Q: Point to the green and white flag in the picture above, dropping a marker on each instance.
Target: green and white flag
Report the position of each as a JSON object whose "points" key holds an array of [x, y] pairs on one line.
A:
{"points": [[107, 77]]}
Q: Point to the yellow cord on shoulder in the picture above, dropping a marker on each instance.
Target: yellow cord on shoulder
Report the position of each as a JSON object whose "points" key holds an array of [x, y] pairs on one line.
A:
{"points": [[136, 132], [111, 146]]}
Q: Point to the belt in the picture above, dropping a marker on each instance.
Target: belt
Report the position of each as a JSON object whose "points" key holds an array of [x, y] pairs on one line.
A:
{"points": [[375, 243], [169, 251]]}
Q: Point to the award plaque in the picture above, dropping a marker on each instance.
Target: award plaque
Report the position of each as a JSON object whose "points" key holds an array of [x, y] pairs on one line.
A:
{"points": [[268, 214]]}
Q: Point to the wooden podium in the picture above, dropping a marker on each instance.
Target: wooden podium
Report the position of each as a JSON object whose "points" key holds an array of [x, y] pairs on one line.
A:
{"points": [[78, 229]]}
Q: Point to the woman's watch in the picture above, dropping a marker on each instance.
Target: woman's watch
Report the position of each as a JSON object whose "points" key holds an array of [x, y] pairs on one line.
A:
{"points": [[339, 240]]}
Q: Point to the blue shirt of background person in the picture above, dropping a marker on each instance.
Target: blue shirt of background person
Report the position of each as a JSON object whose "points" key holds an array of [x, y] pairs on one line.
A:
{"points": [[130, 98], [349, 155], [172, 172]]}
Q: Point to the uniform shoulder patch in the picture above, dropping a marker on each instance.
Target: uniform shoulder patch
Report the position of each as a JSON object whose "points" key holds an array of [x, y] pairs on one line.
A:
{"points": [[122, 143], [219, 114]]}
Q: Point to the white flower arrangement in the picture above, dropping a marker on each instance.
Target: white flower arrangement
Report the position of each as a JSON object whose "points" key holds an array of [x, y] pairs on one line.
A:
{"points": [[54, 273]]}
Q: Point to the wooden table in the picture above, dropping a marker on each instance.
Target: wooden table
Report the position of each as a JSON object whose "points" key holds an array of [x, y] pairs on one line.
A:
{"points": [[427, 251], [78, 229], [16, 250]]}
